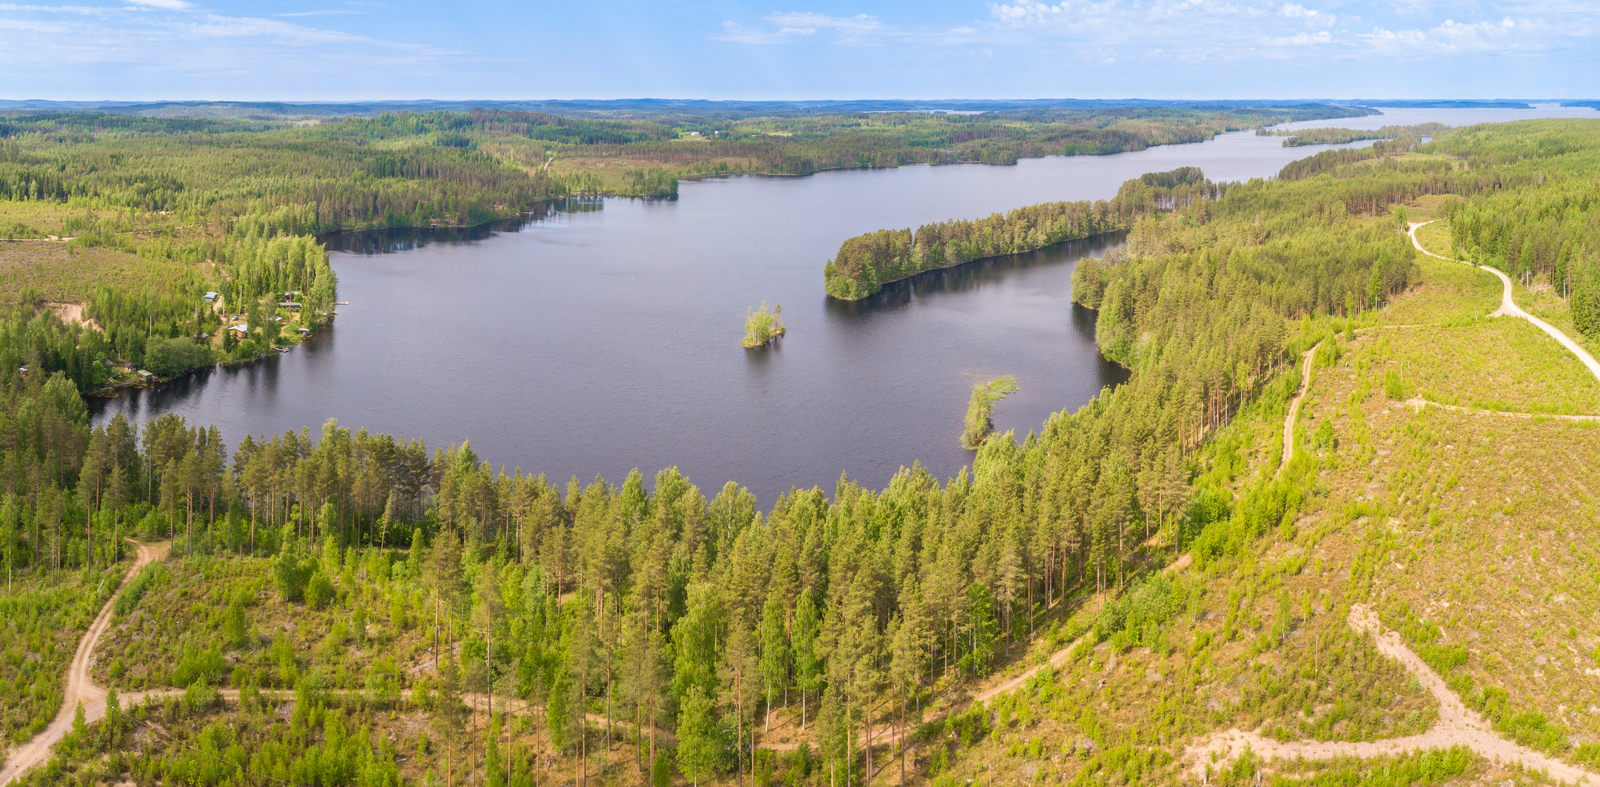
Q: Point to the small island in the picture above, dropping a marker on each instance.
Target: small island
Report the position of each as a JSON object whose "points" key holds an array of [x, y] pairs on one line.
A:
{"points": [[980, 410], [762, 327]]}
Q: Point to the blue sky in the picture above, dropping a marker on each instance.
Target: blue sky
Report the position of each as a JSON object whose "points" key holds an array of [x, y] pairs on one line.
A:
{"points": [[798, 49]]}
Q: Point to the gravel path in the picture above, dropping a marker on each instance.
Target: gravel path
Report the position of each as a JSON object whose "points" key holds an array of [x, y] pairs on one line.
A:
{"points": [[1458, 725], [80, 688], [1509, 307], [1417, 403], [1294, 408]]}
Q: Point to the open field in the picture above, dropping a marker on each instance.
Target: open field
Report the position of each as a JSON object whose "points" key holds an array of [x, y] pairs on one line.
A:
{"points": [[1446, 292], [41, 619], [1500, 363]]}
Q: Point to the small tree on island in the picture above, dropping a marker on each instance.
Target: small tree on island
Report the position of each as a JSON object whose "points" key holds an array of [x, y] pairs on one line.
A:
{"points": [[762, 326], [981, 409]]}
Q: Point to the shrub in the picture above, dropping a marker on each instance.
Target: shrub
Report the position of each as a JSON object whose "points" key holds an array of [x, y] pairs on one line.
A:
{"points": [[291, 572], [1138, 612], [319, 591], [136, 587], [198, 666], [172, 357]]}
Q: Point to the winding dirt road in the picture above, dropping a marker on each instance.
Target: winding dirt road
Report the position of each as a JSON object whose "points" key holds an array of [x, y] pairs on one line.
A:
{"points": [[1294, 407], [1509, 307], [1458, 725], [80, 688]]}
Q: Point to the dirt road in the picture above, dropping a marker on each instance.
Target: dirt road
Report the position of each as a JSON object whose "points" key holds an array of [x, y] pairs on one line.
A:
{"points": [[1294, 407], [1416, 403], [1509, 307], [1060, 657], [1458, 725], [79, 686]]}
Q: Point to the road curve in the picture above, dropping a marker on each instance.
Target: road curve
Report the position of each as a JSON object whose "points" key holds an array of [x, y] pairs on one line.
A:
{"points": [[80, 688], [1458, 725], [1509, 307]]}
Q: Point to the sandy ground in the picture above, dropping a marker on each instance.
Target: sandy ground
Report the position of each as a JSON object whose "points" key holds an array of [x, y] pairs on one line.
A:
{"points": [[1457, 726], [1294, 408], [80, 689]]}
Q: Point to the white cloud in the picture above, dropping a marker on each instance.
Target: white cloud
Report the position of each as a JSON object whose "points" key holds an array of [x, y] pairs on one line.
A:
{"points": [[790, 26], [1305, 39], [170, 40], [1484, 36], [802, 26], [1311, 15], [1243, 30], [1027, 12]]}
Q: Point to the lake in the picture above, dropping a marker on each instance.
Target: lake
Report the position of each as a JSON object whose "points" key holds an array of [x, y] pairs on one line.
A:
{"points": [[602, 335]]}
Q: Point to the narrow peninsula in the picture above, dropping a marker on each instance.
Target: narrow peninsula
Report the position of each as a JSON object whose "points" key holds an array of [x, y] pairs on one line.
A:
{"points": [[980, 410], [867, 262]]}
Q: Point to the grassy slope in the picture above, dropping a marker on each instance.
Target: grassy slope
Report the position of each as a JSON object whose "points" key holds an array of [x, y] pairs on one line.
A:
{"points": [[41, 621], [1500, 364], [186, 614]]}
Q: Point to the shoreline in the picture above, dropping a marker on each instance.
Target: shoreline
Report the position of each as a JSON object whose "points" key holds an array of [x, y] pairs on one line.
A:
{"points": [[115, 391], [959, 265]]}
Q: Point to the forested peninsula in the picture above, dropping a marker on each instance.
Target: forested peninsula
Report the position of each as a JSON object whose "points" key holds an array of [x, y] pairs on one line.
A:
{"points": [[1338, 136], [1082, 606], [867, 262]]}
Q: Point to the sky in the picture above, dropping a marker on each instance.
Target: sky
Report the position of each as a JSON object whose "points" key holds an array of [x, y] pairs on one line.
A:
{"points": [[343, 50]]}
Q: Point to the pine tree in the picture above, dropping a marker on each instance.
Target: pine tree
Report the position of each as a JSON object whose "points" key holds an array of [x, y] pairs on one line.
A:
{"points": [[699, 745], [807, 665], [774, 650]]}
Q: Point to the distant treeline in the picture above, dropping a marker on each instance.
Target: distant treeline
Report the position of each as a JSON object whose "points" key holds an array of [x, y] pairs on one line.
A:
{"points": [[867, 262], [1339, 136], [1543, 222], [214, 170]]}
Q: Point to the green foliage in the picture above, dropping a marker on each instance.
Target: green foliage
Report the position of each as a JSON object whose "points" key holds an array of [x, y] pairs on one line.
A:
{"points": [[204, 666], [980, 410], [1424, 637], [319, 590], [1393, 387], [291, 571], [1412, 770], [867, 262], [134, 589], [762, 326], [1338, 136], [235, 627], [702, 748], [41, 621], [169, 358], [661, 770], [654, 601], [1135, 616]]}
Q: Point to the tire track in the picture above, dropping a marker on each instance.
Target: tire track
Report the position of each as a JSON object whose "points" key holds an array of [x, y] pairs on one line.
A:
{"points": [[80, 687], [1509, 307], [1458, 725]]}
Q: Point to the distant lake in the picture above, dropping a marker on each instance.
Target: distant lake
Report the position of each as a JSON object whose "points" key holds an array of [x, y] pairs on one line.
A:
{"points": [[601, 335]]}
